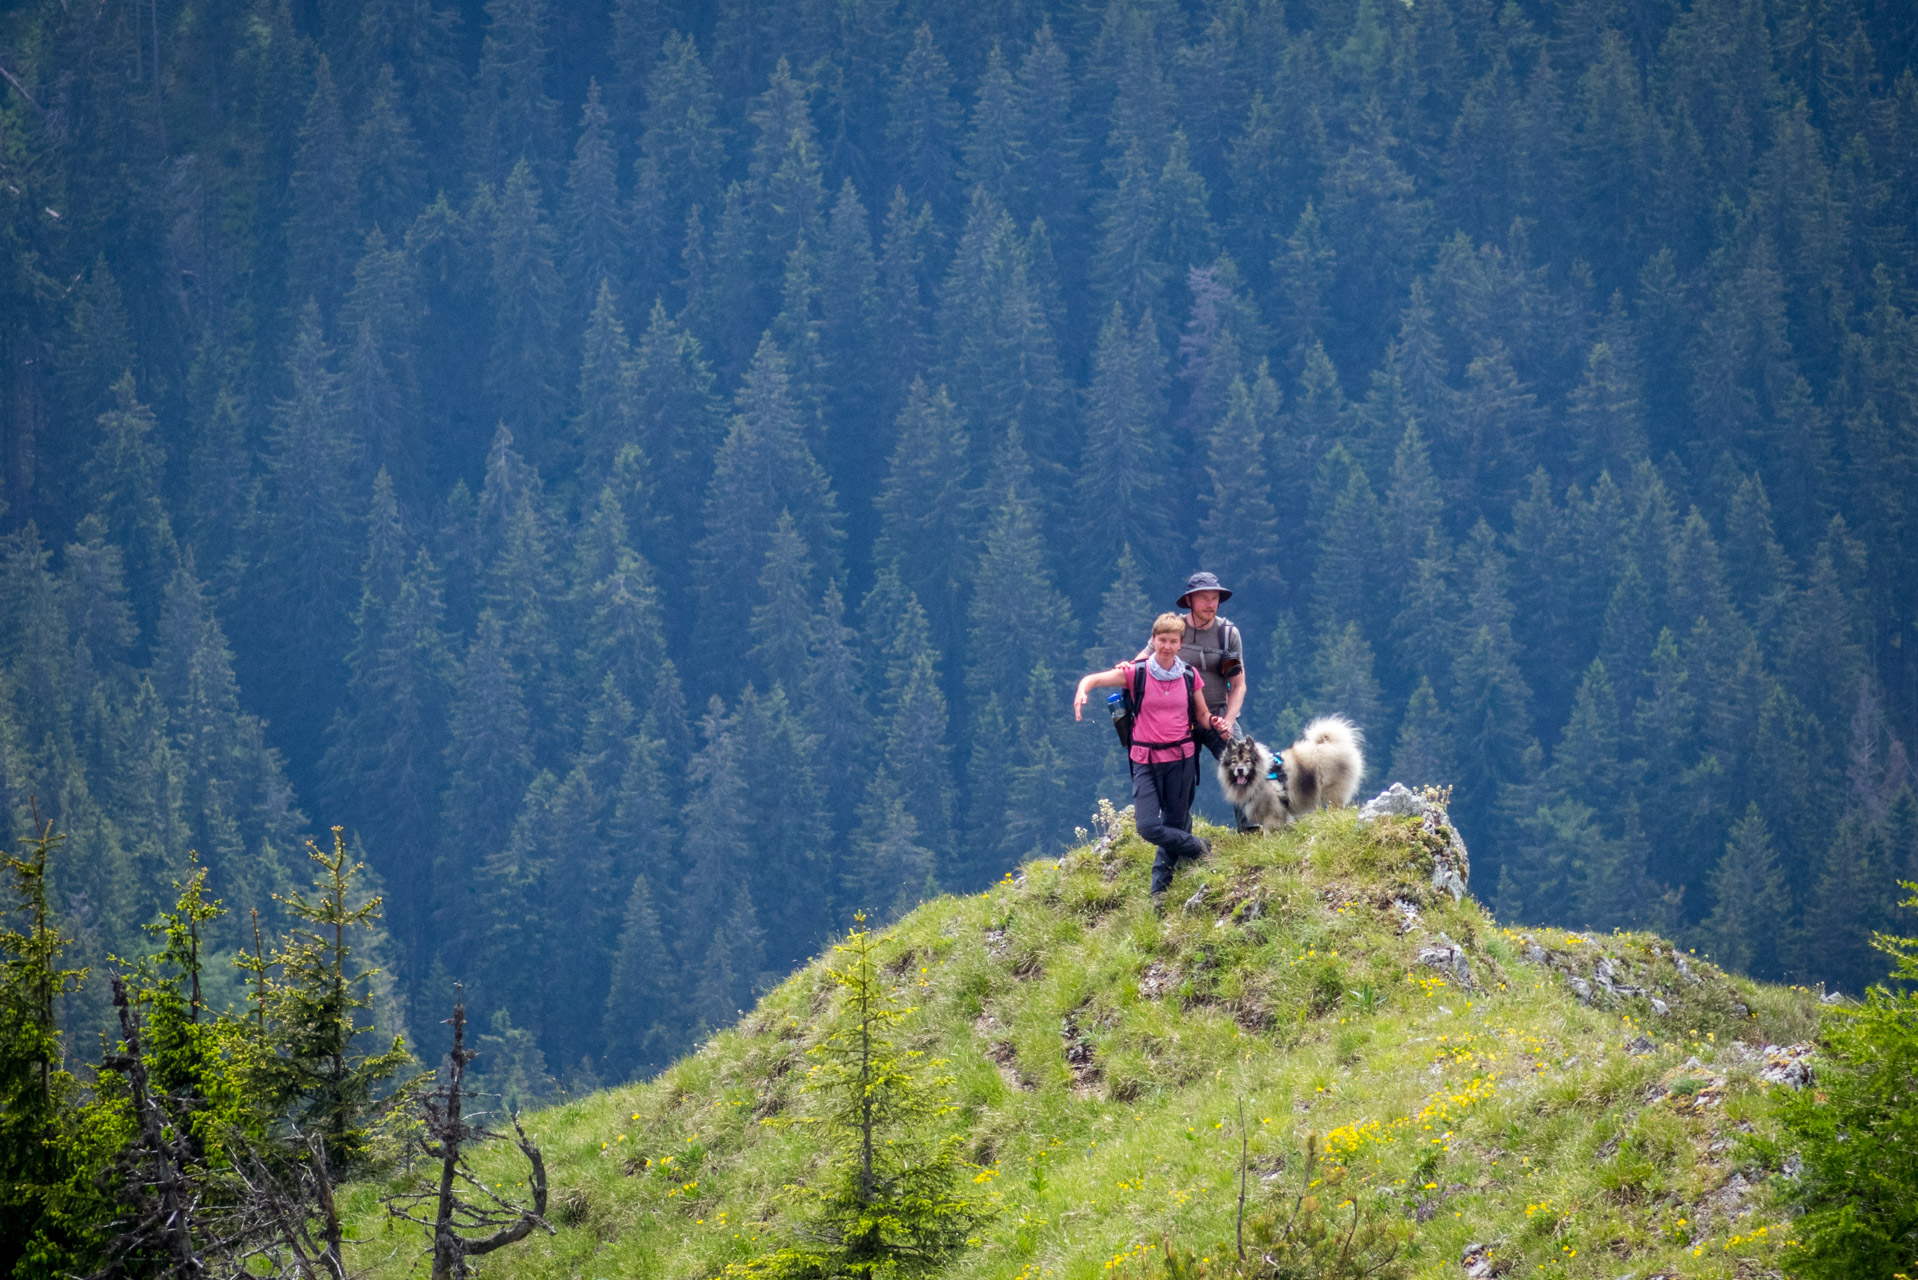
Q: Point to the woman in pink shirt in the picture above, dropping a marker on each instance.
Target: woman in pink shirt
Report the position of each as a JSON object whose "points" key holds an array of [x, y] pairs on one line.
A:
{"points": [[1165, 765]]}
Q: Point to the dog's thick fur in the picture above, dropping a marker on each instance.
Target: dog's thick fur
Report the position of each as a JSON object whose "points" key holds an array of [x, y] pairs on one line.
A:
{"points": [[1321, 769]]}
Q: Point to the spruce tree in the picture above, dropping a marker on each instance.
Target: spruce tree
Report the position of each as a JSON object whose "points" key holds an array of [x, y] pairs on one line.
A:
{"points": [[324, 199], [236, 798], [525, 288], [797, 328], [511, 119], [380, 390], [1303, 272], [1221, 325], [1127, 270], [392, 164], [1751, 907], [89, 358], [782, 618], [1497, 426], [36, 1152], [1412, 511], [605, 403], [1586, 763], [1343, 682], [1017, 615], [1758, 571], [1187, 236], [383, 762], [989, 751], [924, 522], [680, 426], [1239, 535], [123, 482], [1818, 642], [308, 540], [1492, 714], [99, 613], [890, 871], [786, 191], [764, 467], [855, 391], [309, 1068], [1042, 795], [923, 124], [1320, 415], [522, 588], [631, 1034], [1543, 879], [591, 224], [1604, 414], [915, 737], [793, 856], [729, 974], [830, 693], [1423, 755], [996, 144], [905, 285], [1122, 470], [489, 761], [680, 132], [1851, 898], [615, 606], [1055, 175], [716, 830], [890, 1203], [1349, 532]]}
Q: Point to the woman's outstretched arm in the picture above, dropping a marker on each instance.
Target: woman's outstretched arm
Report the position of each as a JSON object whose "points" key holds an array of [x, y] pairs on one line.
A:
{"points": [[1110, 678]]}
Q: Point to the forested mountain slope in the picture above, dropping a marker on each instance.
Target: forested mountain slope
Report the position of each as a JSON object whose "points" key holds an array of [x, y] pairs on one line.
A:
{"points": [[650, 470], [1569, 1103]]}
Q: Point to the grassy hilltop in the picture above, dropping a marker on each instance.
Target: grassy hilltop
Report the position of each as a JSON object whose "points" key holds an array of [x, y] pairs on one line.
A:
{"points": [[1522, 1092]]}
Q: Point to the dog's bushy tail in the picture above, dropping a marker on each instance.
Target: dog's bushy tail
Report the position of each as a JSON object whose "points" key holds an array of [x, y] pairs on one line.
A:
{"points": [[1334, 731], [1332, 748]]}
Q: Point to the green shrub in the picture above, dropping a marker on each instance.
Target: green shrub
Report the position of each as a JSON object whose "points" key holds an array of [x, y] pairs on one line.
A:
{"points": [[1856, 1131]]}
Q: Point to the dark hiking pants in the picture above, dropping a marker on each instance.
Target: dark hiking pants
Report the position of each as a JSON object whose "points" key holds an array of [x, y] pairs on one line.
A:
{"points": [[1162, 810]]}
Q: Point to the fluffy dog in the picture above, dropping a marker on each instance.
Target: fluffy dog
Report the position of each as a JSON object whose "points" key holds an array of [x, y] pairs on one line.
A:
{"points": [[1322, 768]]}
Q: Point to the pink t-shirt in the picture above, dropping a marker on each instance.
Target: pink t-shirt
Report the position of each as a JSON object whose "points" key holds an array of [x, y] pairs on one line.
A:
{"points": [[1165, 715]]}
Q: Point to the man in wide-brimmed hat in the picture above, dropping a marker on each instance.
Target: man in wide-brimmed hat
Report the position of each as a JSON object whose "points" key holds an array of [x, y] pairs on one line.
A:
{"points": [[1214, 646]]}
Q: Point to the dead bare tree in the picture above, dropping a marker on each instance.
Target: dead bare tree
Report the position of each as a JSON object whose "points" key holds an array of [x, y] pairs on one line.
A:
{"points": [[468, 1218], [161, 1189], [285, 1221]]}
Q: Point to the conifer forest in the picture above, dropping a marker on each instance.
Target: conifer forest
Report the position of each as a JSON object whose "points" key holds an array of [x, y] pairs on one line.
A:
{"points": [[650, 472]]}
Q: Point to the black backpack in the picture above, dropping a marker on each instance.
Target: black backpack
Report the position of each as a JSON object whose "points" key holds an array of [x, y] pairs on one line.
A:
{"points": [[1135, 697]]}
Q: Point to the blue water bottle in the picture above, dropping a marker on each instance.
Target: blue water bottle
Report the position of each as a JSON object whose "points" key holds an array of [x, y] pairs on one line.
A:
{"points": [[1121, 718]]}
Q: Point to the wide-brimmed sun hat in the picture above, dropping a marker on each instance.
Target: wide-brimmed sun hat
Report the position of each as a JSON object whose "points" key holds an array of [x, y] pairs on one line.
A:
{"points": [[1202, 582]]}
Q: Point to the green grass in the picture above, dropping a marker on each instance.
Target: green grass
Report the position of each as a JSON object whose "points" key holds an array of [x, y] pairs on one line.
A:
{"points": [[1509, 1114]]}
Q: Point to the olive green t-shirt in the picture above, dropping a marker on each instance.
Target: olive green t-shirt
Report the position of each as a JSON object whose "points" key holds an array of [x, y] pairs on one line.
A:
{"points": [[1218, 651]]}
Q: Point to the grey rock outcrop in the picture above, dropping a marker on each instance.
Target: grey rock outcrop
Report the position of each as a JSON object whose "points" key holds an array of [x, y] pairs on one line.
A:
{"points": [[1448, 958], [1451, 867]]}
